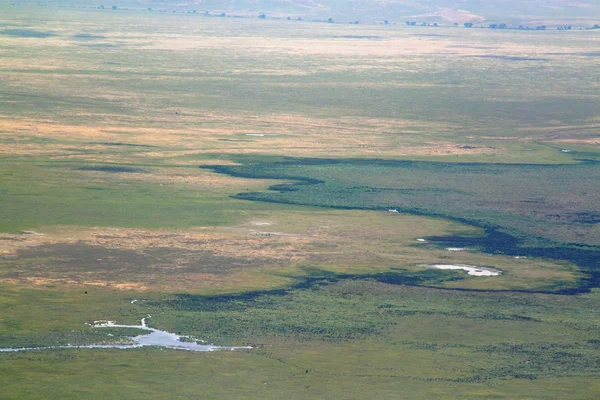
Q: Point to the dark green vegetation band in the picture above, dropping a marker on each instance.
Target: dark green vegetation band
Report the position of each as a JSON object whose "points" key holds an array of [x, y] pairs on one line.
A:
{"points": [[545, 211]]}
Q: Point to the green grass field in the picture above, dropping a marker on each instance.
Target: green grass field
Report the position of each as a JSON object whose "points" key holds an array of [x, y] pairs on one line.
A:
{"points": [[337, 340], [234, 177], [556, 203]]}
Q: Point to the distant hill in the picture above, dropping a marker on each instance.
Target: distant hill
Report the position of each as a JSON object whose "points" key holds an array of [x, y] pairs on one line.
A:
{"points": [[512, 12], [509, 11]]}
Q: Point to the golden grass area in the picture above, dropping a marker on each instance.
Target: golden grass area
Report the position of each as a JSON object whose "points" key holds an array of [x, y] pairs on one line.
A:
{"points": [[263, 252], [197, 86], [296, 136]]}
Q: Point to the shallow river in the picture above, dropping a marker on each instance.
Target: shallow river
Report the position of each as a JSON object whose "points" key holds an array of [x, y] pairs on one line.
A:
{"points": [[156, 337]]}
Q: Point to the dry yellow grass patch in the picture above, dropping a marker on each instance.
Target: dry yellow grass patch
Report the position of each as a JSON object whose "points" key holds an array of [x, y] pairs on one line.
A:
{"points": [[290, 134], [39, 281], [193, 178], [225, 242]]}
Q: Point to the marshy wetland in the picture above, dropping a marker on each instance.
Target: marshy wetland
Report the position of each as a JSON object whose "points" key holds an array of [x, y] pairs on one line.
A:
{"points": [[315, 224]]}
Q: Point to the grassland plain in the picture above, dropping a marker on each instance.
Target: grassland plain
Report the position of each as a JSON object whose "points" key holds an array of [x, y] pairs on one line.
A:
{"points": [[322, 91], [339, 340], [106, 116]]}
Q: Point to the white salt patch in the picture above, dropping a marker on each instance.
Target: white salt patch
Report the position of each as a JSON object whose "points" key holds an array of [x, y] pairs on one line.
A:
{"points": [[455, 248], [261, 134], [471, 269], [394, 210]]}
